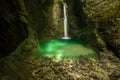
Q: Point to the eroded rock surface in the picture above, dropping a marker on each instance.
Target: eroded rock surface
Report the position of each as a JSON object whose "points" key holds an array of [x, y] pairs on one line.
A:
{"points": [[13, 26], [98, 23]]}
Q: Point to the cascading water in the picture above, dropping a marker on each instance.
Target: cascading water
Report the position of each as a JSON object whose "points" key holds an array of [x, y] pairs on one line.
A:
{"points": [[65, 23], [66, 47]]}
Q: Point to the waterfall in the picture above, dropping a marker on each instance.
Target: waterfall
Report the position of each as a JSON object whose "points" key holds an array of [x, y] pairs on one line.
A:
{"points": [[65, 23]]}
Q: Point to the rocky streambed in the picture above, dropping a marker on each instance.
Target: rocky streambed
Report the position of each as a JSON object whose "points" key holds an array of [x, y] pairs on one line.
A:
{"points": [[107, 67]]}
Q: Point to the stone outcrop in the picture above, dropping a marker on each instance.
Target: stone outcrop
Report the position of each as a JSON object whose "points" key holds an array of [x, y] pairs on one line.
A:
{"points": [[13, 26], [13, 31], [106, 15], [96, 22]]}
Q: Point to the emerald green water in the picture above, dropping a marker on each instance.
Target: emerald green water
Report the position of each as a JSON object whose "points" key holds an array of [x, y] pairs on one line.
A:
{"points": [[64, 48]]}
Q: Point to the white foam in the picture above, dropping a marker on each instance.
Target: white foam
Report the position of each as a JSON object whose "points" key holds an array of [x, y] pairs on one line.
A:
{"points": [[66, 37]]}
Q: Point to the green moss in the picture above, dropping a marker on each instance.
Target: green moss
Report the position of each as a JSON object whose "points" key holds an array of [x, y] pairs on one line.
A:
{"points": [[109, 11], [100, 41], [23, 19], [22, 7]]}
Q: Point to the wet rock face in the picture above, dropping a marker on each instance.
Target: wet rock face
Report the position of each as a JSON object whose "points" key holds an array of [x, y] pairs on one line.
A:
{"points": [[46, 17], [102, 19], [13, 29], [106, 16]]}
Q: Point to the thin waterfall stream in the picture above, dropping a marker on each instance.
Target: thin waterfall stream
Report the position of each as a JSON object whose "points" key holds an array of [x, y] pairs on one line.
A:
{"points": [[65, 23], [58, 48]]}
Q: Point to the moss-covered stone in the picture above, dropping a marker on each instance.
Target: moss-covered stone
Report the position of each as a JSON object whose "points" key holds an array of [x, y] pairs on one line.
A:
{"points": [[94, 20]]}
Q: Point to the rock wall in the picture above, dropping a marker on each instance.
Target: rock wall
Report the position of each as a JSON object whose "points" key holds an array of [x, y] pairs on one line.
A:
{"points": [[45, 17], [13, 31], [96, 22], [13, 26]]}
